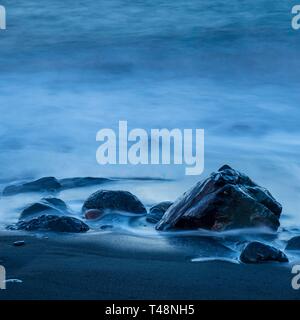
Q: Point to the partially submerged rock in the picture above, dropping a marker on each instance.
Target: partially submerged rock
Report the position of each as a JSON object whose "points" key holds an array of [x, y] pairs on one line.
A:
{"points": [[70, 183], [52, 223], [227, 199], [293, 244], [49, 184], [257, 252], [48, 205], [111, 200], [156, 212]]}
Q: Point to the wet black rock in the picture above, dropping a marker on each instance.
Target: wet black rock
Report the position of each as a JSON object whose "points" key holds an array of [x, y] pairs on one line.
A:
{"points": [[104, 200], [70, 183], [226, 200], [48, 205], [156, 212], [257, 252], [293, 244], [52, 223], [49, 184]]}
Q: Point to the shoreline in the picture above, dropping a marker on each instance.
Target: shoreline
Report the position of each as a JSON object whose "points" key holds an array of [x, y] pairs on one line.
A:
{"points": [[116, 266]]}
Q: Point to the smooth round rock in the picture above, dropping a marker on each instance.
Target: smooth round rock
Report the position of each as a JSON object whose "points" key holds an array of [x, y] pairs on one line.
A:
{"points": [[257, 252], [114, 200]]}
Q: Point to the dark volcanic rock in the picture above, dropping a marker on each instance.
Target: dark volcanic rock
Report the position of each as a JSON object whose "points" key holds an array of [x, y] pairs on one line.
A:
{"points": [[49, 205], [44, 184], [293, 244], [156, 212], [256, 252], [52, 223], [70, 183], [114, 200], [227, 199]]}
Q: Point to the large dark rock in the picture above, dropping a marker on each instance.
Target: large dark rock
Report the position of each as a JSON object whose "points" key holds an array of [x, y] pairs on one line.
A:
{"points": [[227, 199], [52, 223], [293, 244], [104, 200], [156, 212], [257, 252], [49, 205], [49, 184]]}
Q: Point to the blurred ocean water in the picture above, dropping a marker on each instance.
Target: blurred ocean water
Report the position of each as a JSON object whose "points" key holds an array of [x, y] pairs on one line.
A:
{"points": [[68, 69]]}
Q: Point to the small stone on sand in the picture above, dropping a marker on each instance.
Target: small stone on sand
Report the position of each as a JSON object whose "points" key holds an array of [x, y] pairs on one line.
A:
{"points": [[19, 243]]}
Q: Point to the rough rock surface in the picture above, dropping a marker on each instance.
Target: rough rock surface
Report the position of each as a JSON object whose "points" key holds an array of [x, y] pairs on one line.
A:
{"points": [[114, 200], [52, 223], [157, 211], [45, 205], [257, 252], [227, 199]]}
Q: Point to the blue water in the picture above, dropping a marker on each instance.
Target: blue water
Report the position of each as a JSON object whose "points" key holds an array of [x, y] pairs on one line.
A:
{"points": [[68, 69]]}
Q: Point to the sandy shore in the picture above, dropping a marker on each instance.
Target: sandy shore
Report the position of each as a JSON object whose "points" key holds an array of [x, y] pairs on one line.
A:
{"points": [[114, 266]]}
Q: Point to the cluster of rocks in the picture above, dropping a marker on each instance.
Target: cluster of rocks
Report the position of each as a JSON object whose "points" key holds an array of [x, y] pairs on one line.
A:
{"points": [[49, 214], [52, 214], [227, 199]]}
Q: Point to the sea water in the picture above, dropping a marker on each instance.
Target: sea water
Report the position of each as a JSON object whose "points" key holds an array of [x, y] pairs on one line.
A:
{"points": [[71, 68]]}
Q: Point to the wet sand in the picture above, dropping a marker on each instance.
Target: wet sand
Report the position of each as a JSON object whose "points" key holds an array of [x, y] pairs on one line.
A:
{"points": [[115, 266]]}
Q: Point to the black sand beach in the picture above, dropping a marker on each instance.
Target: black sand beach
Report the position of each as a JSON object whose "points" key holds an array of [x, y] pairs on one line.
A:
{"points": [[114, 266]]}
